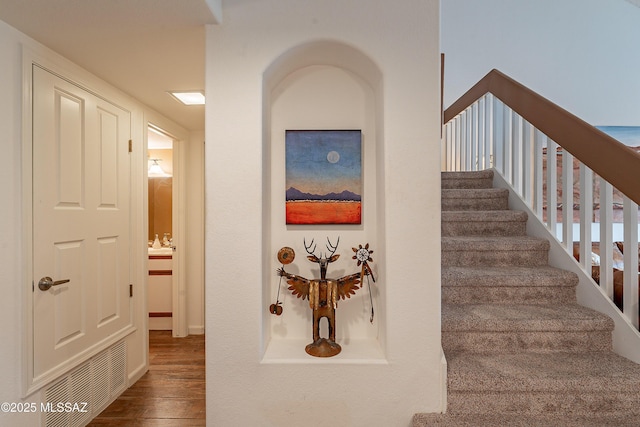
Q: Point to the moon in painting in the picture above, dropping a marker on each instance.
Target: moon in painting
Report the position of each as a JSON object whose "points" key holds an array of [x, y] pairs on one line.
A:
{"points": [[333, 157]]}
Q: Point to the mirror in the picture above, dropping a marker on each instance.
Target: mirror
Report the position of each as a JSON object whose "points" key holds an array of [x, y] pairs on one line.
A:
{"points": [[160, 155]]}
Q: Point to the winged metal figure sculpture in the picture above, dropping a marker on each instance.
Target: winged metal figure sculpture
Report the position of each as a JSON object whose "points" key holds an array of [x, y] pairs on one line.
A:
{"points": [[323, 295]]}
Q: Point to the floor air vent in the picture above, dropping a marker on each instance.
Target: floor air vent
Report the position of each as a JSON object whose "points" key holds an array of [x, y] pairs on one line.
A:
{"points": [[80, 395]]}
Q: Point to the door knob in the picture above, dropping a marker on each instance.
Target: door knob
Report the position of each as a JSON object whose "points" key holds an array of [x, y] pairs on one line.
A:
{"points": [[47, 282]]}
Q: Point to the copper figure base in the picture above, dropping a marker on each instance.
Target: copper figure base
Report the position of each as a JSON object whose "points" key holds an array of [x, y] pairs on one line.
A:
{"points": [[323, 348]]}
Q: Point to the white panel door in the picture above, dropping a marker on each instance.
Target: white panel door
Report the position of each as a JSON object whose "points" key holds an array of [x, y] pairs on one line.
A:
{"points": [[81, 223]]}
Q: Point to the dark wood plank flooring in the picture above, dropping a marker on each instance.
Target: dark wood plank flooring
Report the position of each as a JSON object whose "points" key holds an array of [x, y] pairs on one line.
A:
{"points": [[171, 393]]}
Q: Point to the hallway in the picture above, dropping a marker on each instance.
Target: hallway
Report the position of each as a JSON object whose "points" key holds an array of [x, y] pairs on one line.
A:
{"points": [[171, 393]]}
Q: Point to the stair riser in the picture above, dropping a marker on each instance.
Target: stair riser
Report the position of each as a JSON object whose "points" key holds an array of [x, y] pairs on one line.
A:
{"points": [[488, 228], [515, 295], [448, 183], [521, 420], [489, 204], [516, 342], [461, 258], [561, 403], [462, 199]]}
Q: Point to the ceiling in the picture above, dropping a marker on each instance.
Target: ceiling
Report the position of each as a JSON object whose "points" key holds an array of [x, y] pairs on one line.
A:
{"points": [[143, 47]]}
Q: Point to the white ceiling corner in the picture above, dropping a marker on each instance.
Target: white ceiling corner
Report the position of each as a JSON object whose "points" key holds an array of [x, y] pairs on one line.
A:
{"points": [[143, 47], [215, 6]]}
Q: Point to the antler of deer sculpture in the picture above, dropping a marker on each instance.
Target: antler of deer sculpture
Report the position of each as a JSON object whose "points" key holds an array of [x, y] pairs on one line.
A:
{"points": [[323, 293]]}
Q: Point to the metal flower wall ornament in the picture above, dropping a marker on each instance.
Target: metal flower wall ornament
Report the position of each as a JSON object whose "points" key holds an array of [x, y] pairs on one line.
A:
{"points": [[323, 294]]}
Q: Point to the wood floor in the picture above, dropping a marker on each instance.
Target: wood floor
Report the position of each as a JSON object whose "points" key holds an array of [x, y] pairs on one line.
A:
{"points": [[171, 394]]}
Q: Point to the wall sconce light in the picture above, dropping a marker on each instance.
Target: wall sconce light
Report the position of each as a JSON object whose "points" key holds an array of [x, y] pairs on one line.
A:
{"points": [[155, 171]]}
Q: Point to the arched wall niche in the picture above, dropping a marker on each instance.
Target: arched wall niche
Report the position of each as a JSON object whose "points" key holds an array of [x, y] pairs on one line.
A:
{"points": [[319, 85], [325, 52]]}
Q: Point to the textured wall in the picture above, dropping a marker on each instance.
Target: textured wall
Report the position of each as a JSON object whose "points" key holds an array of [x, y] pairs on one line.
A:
{"points": [[262, 42]]}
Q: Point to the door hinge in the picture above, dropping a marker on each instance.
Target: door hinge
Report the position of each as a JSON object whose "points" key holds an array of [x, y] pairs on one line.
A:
{"points": [[130, 291], [130, 146]]}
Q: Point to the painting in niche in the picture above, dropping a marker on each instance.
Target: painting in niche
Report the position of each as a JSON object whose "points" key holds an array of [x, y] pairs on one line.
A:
{"points": [[323, 176]]}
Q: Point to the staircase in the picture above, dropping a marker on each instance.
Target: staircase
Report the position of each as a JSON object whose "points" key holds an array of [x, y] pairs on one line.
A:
{"points": [[520, 350]]}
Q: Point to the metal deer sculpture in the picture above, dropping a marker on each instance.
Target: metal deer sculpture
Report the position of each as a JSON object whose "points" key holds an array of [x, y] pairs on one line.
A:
{"points": [[323, 293]]}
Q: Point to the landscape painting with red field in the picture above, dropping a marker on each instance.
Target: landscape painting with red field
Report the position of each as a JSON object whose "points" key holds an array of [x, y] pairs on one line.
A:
{"points": [[309, 212], [323, 176]]}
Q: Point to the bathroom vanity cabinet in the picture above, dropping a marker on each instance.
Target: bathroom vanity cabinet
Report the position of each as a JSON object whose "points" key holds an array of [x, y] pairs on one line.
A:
{"points": [[159, 294]]}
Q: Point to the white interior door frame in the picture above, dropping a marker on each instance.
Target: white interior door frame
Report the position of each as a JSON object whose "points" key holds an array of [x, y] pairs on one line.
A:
{"points": [[70, 72], [179, 292]]}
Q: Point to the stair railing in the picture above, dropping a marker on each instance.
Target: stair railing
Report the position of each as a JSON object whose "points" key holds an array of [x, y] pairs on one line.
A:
{"points": [[503, 125]]}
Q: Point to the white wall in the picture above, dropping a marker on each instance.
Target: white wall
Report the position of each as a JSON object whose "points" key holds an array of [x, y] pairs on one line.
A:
{"points": [[244, 228], [11, 262], [194, 211], [580, 54]]}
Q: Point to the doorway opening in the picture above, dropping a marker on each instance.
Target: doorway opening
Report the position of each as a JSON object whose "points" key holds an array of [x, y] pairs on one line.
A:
{"points": [[160, 231], [165, 284]]}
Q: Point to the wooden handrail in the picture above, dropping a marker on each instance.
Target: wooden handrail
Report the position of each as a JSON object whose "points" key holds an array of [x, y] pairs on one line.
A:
{"points": [[606, 156]]}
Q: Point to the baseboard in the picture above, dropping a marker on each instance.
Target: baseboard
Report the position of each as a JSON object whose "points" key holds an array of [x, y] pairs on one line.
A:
{"points": [[443, 381], [137, 373], [196, 330]]}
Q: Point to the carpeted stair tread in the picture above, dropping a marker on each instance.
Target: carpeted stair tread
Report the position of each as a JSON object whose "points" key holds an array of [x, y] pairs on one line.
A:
{"points": [[517, 318], [497, 216], [520, 351], [524, 420], [481, 276], [494, 251], [601, 372], [475, 193], [482, 174], [495, 198], [561, 403], [508, 285], [484, 223], [491, 243], [479, 179]]}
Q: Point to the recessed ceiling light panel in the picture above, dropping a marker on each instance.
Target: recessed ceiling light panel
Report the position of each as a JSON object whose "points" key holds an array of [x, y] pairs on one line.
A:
{"points": [[194, 97]]}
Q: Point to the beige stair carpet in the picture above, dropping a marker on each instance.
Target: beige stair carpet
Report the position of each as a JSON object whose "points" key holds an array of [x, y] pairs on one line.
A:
{"points": [[520, 350]]}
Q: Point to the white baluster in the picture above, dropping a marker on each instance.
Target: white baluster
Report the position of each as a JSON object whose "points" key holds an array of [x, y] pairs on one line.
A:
{"points": [[473, 137], [463, 141], [586, 216], [498, 136], [482, 160], [488, 131], [528, 159], [567, 200], [552, 186], [467, 140], [516, 152], [443, 148], [538, 143], [508, 144], [606, 237], [457, 144], [630, 293]]}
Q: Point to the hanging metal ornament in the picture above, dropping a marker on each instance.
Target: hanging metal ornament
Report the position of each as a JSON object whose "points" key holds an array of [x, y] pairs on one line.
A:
{"points": [[286, 255], [363, 256]]}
